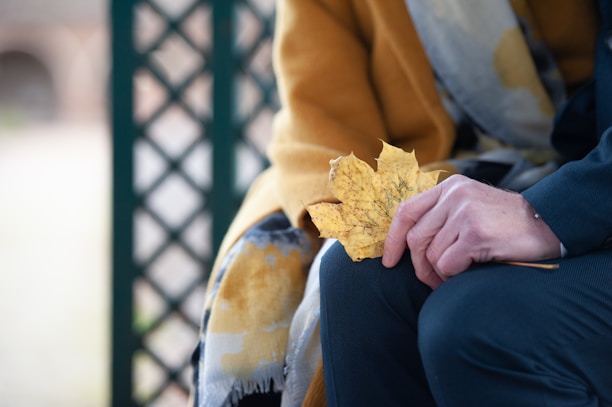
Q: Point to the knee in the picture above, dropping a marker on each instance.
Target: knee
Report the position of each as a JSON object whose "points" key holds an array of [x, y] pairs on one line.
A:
{"points": [[368, 285], [446, 326], [471, 321], [452, 339], [339, 277]]}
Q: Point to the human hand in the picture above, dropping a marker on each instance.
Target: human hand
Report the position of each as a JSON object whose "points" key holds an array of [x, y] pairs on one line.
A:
{"points": [[462, 221]]}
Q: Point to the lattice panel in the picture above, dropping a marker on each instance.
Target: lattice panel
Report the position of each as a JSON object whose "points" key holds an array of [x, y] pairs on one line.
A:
{"points": [[256, 99], [174, 148]]}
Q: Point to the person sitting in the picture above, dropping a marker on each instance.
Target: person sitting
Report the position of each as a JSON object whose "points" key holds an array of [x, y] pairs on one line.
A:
{"points": [[448, 318], [472, 88]]}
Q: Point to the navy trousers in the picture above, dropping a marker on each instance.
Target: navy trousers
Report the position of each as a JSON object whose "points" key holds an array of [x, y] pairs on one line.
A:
{"points": [[495, 335]]}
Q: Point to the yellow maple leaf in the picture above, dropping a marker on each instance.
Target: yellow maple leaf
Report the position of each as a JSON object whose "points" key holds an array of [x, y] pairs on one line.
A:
{"points": [[368, 199]]}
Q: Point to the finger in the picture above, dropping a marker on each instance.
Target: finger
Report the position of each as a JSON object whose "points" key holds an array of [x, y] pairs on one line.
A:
{"points": [[457, 258], [426, 273], [406, 216], [433, 233], [440, 244], [420, 239], [395, 242]]}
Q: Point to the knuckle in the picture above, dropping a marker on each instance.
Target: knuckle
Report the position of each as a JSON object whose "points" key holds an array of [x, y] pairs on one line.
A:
{"points": [[413, 238], [474, 232], [431, 255], [460, 187], [393, 240], [443, 270], [422, 275], [403, 211]]}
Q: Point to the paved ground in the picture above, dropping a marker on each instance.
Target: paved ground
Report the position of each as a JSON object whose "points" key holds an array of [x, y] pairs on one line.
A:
{"points": [[54, 266]]}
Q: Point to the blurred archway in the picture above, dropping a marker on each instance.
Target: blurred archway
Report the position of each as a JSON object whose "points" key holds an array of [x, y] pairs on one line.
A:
{"points": [[26, 87]]}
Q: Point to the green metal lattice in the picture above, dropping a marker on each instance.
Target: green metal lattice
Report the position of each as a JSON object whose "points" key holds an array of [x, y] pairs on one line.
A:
{"points": [[193, 97]]}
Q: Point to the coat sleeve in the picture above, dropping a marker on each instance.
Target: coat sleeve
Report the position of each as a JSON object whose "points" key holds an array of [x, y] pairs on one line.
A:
{"points": [[576, 200], [334, 101]]}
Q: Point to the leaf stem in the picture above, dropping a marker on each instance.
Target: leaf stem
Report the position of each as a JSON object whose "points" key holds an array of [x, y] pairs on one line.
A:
{"points": [[532, 265]]}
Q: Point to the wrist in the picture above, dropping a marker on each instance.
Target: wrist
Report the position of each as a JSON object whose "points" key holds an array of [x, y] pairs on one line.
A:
{"points": [[547, 241]]}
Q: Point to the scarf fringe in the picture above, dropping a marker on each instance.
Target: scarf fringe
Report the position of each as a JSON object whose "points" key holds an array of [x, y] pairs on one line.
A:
{"points": [[261, 382]]}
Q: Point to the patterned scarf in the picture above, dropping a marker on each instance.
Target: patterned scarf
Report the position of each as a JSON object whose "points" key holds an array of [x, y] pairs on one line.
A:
{"points": [[248, 312], [499, 84]]}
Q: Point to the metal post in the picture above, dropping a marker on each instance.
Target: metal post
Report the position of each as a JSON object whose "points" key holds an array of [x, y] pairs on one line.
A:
{"points": [[223, 137], [123, 341]]}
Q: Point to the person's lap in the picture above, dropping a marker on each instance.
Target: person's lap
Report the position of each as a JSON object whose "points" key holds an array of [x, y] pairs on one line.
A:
{"points": [[513, 335]]}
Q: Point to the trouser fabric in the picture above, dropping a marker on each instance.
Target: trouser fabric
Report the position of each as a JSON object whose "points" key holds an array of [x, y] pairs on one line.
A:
{"points": [[496, 334]]}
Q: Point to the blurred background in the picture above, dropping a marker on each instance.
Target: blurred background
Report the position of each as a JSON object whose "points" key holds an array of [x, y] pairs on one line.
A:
{"points": [[129, 132]]}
